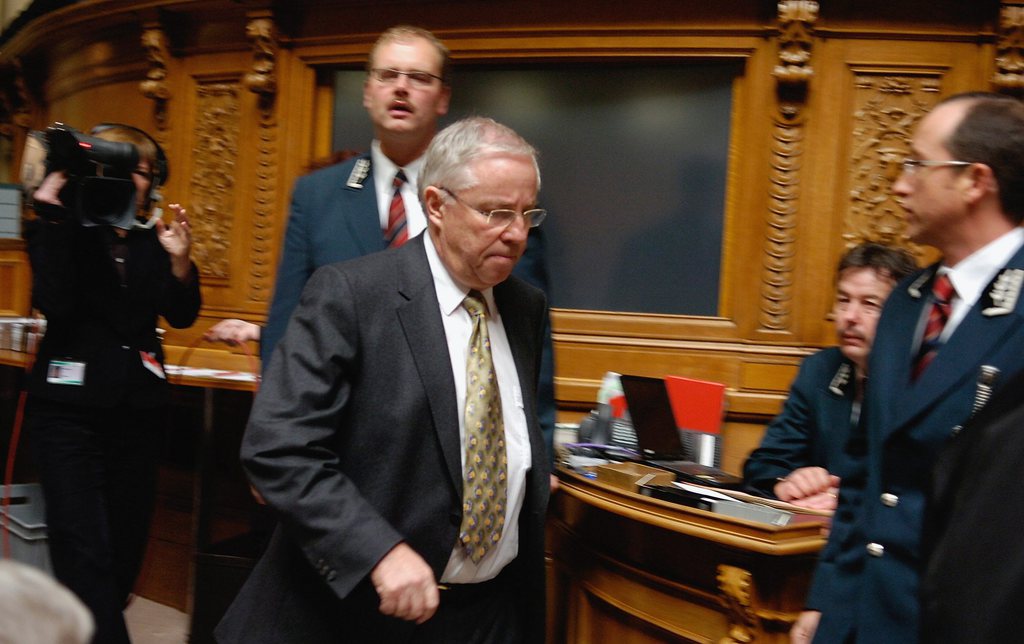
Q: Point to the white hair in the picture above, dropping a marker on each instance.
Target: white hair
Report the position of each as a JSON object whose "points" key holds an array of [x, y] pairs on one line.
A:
{"points": [[35, 608], [448, 160]]}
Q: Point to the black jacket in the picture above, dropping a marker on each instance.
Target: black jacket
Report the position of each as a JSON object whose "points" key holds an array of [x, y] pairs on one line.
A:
{"points": [[96, 317]]}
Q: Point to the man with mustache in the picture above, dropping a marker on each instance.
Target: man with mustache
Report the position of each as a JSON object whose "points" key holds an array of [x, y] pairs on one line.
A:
{"points": [[348, 210], [803, 452]]}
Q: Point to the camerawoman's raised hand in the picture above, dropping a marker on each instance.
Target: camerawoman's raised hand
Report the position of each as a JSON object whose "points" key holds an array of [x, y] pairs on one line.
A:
{"points": [[176, 239]]}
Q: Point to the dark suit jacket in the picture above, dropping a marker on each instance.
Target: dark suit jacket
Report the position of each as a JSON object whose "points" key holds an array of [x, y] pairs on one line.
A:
{"points": [[354, 442], [330, 221], [907, 425], [92, 319], [972, 589], [814, 425]]}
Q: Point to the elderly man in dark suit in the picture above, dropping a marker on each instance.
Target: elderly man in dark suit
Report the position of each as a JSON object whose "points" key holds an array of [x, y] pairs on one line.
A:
{"points": [[948, 336], [346, 210], [364, 438]]}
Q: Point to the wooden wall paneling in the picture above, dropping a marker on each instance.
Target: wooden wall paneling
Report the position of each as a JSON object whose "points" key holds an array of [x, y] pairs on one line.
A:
{"points": [[224, 173], [757, 267], [792, 74], [16, 278], [875, 94], [215, 175], [263, 81]]}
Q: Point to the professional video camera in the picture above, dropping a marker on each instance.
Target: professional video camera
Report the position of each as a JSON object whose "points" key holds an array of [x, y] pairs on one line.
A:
{"points": [[99, 190]]}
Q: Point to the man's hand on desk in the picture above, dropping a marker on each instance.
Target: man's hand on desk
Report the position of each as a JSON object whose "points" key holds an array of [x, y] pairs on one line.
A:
{"points": [[406, 585], [233, 332], [809, 487], [805, 627]]}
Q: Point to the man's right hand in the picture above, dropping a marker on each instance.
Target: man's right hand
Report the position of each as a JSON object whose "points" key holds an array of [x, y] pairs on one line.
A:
{"points": [[232, 332], [805, 482], [406, 585], [805, 627]]}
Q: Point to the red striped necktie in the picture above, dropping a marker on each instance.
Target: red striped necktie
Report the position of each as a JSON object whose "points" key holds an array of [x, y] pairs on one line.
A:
{"points": [[396, 233], [942, 294]]}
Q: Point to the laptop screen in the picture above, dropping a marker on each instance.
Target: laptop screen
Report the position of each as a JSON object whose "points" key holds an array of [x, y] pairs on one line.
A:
{"points": [[653, 420]]}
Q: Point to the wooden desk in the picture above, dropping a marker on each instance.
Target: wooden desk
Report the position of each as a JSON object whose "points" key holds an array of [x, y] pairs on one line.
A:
{"points": [[629, 569], [13, 358]]}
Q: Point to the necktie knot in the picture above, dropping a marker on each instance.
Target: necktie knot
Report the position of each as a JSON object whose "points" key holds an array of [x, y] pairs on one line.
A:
{"points": [[475, 304], [942, 289], [399, 179]]}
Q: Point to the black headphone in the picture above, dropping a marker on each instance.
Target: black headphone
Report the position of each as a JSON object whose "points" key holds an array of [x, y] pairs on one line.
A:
{"points": [[161, 170]]}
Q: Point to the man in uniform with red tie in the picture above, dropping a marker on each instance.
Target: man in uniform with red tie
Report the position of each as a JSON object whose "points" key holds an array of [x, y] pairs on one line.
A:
{"points": [[948, 337], [395, 437], [368, 203]]}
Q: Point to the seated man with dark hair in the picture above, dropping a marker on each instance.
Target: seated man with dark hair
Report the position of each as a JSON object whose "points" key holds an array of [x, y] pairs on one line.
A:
{"points": [[804, 449]]}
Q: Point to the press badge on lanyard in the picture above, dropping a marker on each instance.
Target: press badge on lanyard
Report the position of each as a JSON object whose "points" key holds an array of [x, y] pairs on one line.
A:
{"points": [[65, 372]]}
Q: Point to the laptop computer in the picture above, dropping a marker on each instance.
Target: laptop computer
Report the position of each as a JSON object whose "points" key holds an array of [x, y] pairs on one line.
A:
{"points": [[657, 436]]}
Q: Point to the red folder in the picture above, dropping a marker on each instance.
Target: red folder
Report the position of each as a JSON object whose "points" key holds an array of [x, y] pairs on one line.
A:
{"points": [[697, 404]]}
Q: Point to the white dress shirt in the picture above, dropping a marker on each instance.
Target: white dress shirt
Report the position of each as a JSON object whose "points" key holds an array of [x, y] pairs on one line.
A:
{"points": [[457, 327]]}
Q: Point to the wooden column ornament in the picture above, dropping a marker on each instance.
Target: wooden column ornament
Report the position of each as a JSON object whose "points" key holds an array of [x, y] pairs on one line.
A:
{"points": [[1009, 78], [154, 41], [793, 74], [262, 80]]}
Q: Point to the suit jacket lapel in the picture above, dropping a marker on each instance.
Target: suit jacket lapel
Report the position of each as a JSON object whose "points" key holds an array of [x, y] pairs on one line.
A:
{"points": [[356, 205], [889, 365], [977, 336], [424, 332], [519, 332]]}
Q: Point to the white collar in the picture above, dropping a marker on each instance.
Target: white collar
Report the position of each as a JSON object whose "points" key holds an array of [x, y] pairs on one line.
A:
{"points": [[973, 273], [384, 169], [449, 292]]}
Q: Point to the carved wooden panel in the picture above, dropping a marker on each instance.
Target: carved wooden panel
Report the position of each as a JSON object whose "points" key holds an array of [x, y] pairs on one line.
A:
{"points": [[154, 87], [887, 106], [262, 80], [260, 278], [212, 185], [780, 236], [793, 73], [1010, 58]]}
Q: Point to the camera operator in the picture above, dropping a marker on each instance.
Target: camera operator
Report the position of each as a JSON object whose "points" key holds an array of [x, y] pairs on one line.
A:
{"points": [[98, 387]]}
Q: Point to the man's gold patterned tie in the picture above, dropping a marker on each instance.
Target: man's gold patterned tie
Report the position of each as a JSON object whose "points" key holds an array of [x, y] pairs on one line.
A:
{"points": [[484, 489]]}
